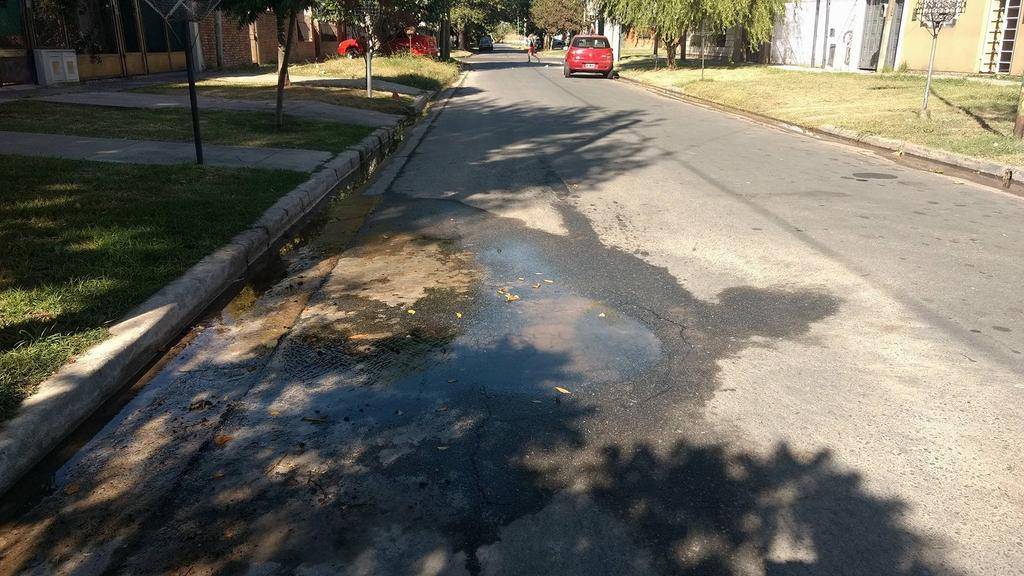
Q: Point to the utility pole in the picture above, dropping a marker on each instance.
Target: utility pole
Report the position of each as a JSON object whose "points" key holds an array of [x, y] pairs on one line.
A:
{"points": [[824, 47], [814, 35]]}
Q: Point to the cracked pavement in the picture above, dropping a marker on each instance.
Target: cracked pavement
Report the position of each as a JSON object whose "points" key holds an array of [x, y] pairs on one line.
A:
{"points": [[776, 356]]}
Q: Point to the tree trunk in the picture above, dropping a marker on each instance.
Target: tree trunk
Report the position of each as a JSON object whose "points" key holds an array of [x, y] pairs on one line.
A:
{"points": [[1018, 121], [315, 28], [283, 39], [284, 52], [670, 51], [446, 36], [463, 38], [682, 44], [657, 40]]}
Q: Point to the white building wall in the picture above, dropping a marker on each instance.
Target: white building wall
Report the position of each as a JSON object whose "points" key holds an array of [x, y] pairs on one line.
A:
{"points": [[793, 39]]}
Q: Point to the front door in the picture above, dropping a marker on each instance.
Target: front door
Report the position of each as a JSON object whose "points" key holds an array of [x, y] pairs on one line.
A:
{"points": [[871, 43]]}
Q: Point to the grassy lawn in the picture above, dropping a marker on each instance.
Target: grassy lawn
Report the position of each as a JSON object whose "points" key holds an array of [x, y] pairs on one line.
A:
{"points": [[415, 71], [968, 116], [254, 129], [85, 241], [264, 87]]}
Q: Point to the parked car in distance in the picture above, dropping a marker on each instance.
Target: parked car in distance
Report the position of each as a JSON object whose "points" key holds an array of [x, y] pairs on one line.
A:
{"points": [[588, 53], [422, 45], [486, 43], [352, 48], [558, 42]]}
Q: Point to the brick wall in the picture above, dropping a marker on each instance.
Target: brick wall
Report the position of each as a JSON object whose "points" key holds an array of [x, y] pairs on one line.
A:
{"points": [[237, 42]]}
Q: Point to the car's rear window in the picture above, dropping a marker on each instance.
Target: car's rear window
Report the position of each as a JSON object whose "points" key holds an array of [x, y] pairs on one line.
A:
{"points": [[589, 43]]}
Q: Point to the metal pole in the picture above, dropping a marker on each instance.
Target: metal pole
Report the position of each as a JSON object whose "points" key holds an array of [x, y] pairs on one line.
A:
{"points": [[928, 82], [190, 67]]}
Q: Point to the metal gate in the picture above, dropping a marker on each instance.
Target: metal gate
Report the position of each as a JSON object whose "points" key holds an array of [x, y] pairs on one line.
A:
{"points": [[871, 43]]}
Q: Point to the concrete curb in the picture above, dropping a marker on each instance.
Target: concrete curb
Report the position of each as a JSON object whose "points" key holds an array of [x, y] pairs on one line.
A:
{"points": [[68, 397], [989, 171]]}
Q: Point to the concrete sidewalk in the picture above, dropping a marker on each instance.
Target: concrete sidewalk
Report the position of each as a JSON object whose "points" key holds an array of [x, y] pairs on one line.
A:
{"points": [[302, 108], [151, 152], [358, 83]]}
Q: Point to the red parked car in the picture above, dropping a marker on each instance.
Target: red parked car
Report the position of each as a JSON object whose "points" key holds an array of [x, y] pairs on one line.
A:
{"points": [[589, 54], [422, 45], [352, 48]]}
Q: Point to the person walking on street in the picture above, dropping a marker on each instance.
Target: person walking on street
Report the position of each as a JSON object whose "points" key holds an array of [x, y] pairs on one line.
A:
{"points": [[531, 48]]}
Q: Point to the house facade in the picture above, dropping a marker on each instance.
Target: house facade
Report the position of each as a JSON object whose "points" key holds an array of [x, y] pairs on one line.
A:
{"points": [[982, 40], [123, 38], [839, 34]]}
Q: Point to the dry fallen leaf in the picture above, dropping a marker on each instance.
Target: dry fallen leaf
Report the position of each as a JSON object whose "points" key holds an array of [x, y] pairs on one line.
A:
{"points": [[411, 311], [601, 315], [562, 390], [520, 278], [537, 285], [546, 281], [222, 439], [458, 314], [511, 297], [442, 448]]}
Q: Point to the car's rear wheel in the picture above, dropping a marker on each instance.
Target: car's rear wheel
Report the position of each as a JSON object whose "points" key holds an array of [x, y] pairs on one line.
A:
{"points": [[566, 72], [607, 74]]}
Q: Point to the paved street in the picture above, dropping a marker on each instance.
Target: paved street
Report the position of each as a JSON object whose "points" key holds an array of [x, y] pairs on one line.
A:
{"points": [[588, 330]]}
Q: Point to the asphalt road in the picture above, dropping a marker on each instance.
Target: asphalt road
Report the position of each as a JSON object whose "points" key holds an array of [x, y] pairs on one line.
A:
{"points": [[588, 330]]}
